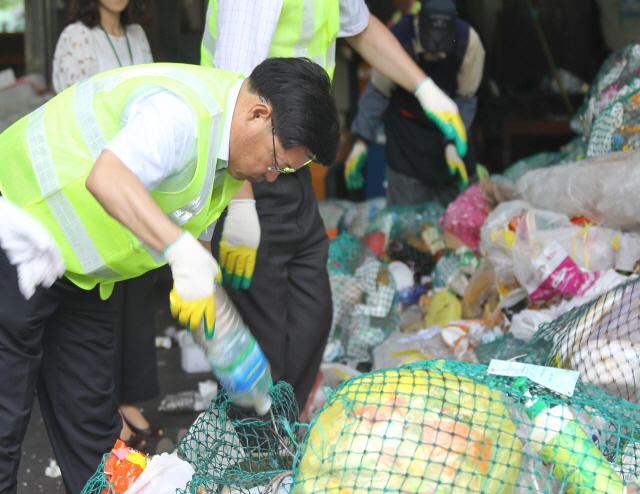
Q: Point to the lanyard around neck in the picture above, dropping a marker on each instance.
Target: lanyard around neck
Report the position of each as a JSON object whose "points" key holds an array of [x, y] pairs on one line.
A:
{"points": [[113, 47]]}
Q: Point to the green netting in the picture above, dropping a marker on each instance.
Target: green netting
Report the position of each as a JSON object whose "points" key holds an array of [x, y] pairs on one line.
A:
{"points": [[445, 269], [506, 347], [394, 220], [616, 127], [447, 427], [574, 150], [332, 210], [601, 340], [365, 305], [97, 484], [232, 450], [616, 78], [356, 219]]}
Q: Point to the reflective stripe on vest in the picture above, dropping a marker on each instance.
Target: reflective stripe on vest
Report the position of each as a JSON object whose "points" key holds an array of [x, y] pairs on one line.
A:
{"points": [[307, 31], [44, 169], [66, 216], [209, 41], [300, 47]]}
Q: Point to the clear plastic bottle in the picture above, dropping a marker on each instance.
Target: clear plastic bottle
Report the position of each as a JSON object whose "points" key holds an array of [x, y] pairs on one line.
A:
{"points": [[235, 357], [560, 440]]}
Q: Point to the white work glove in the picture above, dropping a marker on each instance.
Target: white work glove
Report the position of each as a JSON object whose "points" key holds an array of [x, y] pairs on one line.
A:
{"points": [[194, 272], [239, 243], [30, 247], [456, 165], [443, 111], [353, 177]]}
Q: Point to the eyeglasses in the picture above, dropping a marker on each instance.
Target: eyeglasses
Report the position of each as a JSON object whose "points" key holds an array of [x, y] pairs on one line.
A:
{"points": [[276, 167]]}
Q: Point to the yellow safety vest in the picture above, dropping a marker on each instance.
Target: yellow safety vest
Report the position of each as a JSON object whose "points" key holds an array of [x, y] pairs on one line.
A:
{"points": [[48, 154], [306, 28]]}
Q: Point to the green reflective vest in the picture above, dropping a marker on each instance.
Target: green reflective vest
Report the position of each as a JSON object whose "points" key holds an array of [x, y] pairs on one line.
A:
{"points": [[306, 28], [47, 156]]}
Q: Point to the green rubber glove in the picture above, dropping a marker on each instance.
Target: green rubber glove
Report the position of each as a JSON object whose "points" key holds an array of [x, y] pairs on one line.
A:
{"points": [[443, 111], [456, 165], [355, 163]]}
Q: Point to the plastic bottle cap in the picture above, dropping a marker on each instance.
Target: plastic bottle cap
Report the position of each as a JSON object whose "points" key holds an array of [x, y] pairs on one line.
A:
{"points": [[534, 410], [263, 407]]}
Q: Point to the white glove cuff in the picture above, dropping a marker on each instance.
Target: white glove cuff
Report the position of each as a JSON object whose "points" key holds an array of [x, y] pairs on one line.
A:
{"points": [[242, 225], [359, 148], [432, 98], [193, 267]]}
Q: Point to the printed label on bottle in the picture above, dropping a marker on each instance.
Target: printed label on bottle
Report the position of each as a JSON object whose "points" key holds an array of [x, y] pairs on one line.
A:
{"points": [[244, 371], [579, 462]]}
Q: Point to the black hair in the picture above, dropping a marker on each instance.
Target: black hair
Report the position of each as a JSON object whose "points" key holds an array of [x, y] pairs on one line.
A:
{"points": [[304, 111], [87, 12]]}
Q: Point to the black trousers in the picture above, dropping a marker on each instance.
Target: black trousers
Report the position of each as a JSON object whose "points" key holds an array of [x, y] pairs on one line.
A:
{"points": [[61, 342], [288, 304], [136, 361]]}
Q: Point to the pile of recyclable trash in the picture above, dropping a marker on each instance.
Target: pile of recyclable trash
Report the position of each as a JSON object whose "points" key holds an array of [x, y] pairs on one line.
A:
{"points": [[492, 346]]}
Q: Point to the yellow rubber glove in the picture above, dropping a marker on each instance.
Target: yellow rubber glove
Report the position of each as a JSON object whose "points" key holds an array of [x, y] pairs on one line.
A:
{"points": [[443, 111], [353, 176], [239, 243], [456, 165], [194, 272]]}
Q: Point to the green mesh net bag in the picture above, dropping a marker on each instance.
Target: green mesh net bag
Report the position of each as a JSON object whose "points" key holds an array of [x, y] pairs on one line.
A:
{"points": [[393, 220], [506, 347], [331, 212], [615, 128], [232, 450], [448, 427], [600, 340], [365, 305], [98, 483], [356, 219], [617, 77]]}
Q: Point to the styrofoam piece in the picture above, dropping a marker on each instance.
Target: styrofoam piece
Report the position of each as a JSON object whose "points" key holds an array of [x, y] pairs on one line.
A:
{"points": [[192, 357], [402, 274]]}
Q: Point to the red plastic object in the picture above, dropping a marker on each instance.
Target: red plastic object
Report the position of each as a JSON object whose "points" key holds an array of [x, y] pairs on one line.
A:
{"points": [[375, 241], [121, 474], [579, 220]]}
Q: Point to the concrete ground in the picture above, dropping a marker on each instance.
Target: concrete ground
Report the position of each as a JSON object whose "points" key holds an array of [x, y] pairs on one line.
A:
{"points": [[36, 452]]}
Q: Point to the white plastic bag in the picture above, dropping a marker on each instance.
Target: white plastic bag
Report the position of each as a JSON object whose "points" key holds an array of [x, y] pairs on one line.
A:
{"points": [[495, 241], [163, 475], [552, 256], [526, 322], [604, 189], [404, 348]]}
